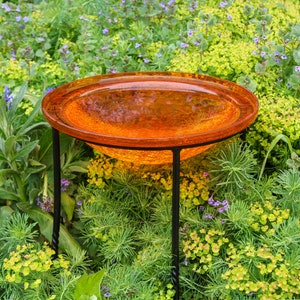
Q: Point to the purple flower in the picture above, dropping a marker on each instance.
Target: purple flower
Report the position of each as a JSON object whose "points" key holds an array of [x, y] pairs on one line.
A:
{"points": [[79, 203], [137, 45], [64, 184], [225, 203], [221, 209], [18, 18], [105, 31], [217, 203], [190, 32], [201, 207], [183, 45], [113, 70], [18, 9], [283, 56], [46, 203], [256, 40], [107, 295], [223, 4], [104, 47], [146, 60], [297, 69], [8, 96], [49, 89], [211, 200], [263, 54], [25, 19], [229, 17], [193, 6], [208, 216], [6, 7]]}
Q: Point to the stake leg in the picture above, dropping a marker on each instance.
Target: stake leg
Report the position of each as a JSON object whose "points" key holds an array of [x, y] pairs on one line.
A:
{"points": [[175, 221], [57, 190]]}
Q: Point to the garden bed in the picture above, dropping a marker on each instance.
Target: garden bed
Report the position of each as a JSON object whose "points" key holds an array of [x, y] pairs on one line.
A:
{"points": [[240, 200]]}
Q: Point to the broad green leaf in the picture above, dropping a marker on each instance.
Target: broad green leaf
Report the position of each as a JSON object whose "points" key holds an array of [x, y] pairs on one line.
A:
{"points": [[68, 205], [25, 150], [45, 222], [39, 53], [5, 213], [9, 144], [296, 31], [89, 286], [296, 55], [8, 195]]}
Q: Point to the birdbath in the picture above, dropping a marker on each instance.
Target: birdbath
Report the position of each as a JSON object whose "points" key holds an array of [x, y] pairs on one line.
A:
{"points": [[147, 118]]}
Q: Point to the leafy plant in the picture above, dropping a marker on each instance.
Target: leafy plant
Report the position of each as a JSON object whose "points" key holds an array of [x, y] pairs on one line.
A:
{"points": [[18, 149], [88, 286], [234, 168]]}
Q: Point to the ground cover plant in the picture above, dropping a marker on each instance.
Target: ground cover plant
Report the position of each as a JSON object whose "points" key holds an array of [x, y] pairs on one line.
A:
{"points": [[240, 201]]}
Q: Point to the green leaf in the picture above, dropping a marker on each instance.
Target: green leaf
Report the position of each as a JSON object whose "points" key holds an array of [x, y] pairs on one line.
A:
{"points": [[25, 150], [89, 286], [296, 55], [9, 144], [39, 53], [4, 173], [45, 222], [17, 99], [260, 69], [5, 213], [78, 166], [68, 204], [296, 31], [31, 127], [24, 128], [8, 195], [273, 144]]}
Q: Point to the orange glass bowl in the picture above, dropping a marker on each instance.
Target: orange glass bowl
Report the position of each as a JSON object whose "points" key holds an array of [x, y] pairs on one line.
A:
{"points": [[130, 116]]}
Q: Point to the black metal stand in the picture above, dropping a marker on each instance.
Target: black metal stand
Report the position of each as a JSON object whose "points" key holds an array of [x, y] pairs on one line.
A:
{"points": [[57, 191], [175, 220], [175, 207]]}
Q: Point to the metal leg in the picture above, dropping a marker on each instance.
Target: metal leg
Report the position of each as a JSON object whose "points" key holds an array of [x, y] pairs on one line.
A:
{"points": [[175, 221], [57, 190]]}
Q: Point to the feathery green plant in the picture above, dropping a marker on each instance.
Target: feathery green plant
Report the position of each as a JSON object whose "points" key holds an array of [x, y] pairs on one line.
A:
{"points": [[233, 169]]}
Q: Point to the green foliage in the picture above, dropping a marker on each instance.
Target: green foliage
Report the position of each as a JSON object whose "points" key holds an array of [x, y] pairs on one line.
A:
{"points": [[246, 247], [27, 268], [234, 168], [88, 286], [289, 190], [45, 222], [18, 149], [278, 116], [201, 248]]}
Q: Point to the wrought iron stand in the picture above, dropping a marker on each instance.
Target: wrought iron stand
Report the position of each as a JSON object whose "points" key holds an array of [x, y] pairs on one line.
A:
{"points": [[175, 206]]}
